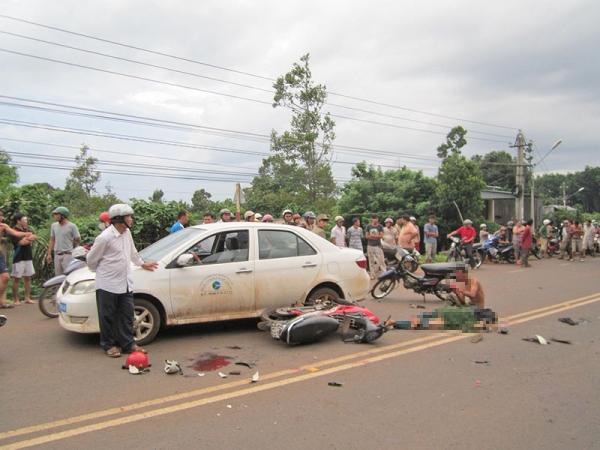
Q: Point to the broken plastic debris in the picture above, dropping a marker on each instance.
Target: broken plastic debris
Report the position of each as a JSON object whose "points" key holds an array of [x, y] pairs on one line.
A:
{"points": [[503, 331], [536, 338], [172, 366], [241, 363], [255, 377], [478, 383], [334, 383], [562, 341], [229, 406], [568, 321], [478, 361], [412, 305], [200, 374], [235, 372], [222, 375], [475, 339]]}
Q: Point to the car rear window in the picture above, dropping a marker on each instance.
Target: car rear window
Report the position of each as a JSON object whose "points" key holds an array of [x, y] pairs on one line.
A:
{"points": [[275, 244]]}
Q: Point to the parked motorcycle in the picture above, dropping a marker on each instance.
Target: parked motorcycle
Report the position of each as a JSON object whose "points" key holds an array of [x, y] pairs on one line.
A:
{"points": [[492, 250], [392, 261], [459, 253], [47, 302], [553, 247], [434, 281], [301, 325]]}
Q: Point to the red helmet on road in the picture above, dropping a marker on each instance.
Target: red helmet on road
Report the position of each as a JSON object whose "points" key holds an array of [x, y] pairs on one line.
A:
{"points": [[137, 359]]}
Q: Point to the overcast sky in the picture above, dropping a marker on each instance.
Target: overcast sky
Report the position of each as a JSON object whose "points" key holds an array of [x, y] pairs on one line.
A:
{"points": [[420, 69]]}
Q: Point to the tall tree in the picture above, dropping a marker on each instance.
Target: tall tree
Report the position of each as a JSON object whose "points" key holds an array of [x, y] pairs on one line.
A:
{"points": [[201, 202], [455, 140], [84, 176], [157, 196], [498, 168], [309, 140]]}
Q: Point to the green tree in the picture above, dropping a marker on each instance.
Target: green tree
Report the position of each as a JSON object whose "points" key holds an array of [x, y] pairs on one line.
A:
{"points": [[8, 173], [201, 202], [455, 140], [152, 221], [84, 176], [157, 196], [308, 142], [390, 193], [498, 168], [460, 181]]}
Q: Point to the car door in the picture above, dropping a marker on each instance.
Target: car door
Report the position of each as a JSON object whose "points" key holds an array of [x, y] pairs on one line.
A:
{"points": [[286, 268], [218, 282]]}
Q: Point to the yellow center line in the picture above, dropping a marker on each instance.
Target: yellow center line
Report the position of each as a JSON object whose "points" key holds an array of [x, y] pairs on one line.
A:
{"points": [[391, 351]]}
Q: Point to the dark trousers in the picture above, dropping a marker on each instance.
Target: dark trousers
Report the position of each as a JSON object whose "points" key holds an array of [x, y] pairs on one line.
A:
{"points": [[469, 249], [115, 315]]}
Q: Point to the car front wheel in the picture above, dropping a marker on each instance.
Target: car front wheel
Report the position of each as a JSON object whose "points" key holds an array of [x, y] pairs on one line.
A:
{"points": [[325, 295], [146, 321]]}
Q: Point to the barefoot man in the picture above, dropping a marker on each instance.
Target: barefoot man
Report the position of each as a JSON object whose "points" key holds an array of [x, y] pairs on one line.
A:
{"points": [[4, 276]]}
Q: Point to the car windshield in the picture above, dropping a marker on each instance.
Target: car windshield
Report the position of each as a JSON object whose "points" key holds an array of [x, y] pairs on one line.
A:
{"points": [[159, 249]]}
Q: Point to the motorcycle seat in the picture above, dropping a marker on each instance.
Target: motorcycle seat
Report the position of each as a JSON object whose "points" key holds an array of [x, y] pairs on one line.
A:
{"points": [[478, 245], [441, 268]]}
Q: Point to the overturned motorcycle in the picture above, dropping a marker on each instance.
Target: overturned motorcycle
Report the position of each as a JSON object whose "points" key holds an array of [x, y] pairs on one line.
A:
{"points": [[303, 325]]}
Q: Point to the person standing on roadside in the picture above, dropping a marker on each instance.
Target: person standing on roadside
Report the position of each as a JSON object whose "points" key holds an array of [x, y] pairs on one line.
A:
{"points": [[431, 234], [408, 232], [417, 238], [545, 234], [467, 237], [183, 218], [565, 241], [517, 239], [225, 215], [389, 241], [288, 217], [588, 238], [22, 259], [338, 232], [64, 236], [111, 257], [319, 230], [355, 235], [576, 232], [526, 243], [309, 221], [4, 276], [374, 234]]}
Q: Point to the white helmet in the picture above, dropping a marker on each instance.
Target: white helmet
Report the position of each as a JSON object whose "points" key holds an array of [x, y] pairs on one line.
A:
{"points": [[483, 225], [468, 221], [546, 222], [118, 212]]}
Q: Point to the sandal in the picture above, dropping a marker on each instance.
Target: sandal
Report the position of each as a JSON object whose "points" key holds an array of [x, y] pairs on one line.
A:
{"points": [[136, 348], [113, 352]]}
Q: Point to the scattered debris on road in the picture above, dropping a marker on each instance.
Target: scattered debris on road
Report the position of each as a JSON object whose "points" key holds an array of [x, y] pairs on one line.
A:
{"points": [[536, 338]]}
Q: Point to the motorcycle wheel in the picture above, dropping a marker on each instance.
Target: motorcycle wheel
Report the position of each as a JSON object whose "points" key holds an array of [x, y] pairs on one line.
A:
{"points": [[452, 257], [269, 315], [536, 252], [383, 287], [511, 258], [478, 260], [325, 295], [47, 301]]}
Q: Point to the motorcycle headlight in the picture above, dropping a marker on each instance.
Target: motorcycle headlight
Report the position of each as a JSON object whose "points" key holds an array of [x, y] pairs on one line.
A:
{"points": [[83, 287]]}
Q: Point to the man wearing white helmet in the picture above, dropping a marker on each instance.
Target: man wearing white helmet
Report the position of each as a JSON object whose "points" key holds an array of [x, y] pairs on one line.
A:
{"points": [[111, 257], [287, 217], [467, 235], [483, 233], [545, 234], [338, 232]]}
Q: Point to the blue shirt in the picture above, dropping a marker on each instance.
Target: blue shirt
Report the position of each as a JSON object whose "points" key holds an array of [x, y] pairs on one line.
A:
{"points": [[176, 227], [432, 229]]}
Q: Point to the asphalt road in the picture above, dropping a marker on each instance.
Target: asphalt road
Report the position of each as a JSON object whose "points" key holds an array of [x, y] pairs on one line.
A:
{"points": [[416, 389]]}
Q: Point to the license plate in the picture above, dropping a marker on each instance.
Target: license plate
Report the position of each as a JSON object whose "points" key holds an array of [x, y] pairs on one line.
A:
{"points": [[62, 307]]}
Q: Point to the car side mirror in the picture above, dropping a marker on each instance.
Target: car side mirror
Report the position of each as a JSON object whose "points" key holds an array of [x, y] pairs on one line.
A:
{"points": [[185, 260]]}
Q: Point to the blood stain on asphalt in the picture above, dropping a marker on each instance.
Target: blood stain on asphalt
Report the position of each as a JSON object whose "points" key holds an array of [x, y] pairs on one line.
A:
{"points": [[207, 362]]}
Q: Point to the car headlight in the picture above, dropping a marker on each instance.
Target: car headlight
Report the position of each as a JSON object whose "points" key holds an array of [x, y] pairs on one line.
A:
{"points": [[83, 287]]}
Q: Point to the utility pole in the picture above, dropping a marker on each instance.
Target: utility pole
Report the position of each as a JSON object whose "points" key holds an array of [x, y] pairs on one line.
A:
{"points": [[520, 200]]}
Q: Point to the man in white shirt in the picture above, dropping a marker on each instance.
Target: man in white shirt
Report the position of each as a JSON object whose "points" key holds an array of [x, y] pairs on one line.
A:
{"points": [[338, 233], [111, 257]]}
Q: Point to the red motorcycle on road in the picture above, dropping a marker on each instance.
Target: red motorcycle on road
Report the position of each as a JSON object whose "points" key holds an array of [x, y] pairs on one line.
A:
{"points": [[301, 325]]}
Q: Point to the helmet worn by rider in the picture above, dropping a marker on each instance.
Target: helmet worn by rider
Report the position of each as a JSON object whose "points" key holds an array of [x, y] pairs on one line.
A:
{"points": [[137, 359], [104, 217], [483, 225], [510, 223], [502, 228], [287, 211], [117, 212], [267, 218], [468, 222], [546, 222], [309, 214], [61, 210]]}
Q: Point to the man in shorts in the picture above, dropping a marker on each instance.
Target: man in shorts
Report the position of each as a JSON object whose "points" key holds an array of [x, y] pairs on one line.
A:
{"points": [[4, 276], [22, 259]]}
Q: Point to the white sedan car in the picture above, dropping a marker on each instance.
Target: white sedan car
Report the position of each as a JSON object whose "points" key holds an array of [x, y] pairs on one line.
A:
{"points": [[224, 271]]}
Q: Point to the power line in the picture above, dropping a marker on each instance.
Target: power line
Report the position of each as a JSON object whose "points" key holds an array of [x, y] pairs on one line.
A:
{"points": [[242, 72]]}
